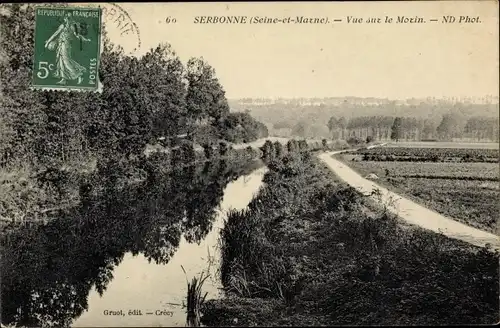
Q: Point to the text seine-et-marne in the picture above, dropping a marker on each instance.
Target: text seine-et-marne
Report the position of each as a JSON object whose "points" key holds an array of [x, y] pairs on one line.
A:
{"points": [[259, 20]]}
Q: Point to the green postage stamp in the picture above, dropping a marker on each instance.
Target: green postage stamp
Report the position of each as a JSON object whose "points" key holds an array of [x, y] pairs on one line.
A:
{"points": [[67, 48]]}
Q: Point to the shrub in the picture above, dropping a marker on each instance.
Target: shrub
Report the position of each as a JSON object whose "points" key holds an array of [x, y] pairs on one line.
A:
{"points": [[354, 141], [187, 151], [223, 148], [278, 147], [250, 152], [208, 150], [268, 150], [303, 146], [292, 146]]}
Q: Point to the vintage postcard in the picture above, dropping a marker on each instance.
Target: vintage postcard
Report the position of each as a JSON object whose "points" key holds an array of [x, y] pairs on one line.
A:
{"points": [[249, 164]]}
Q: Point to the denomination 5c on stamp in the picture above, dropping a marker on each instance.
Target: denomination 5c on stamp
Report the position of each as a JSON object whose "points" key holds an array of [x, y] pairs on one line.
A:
{"points": [[67, 48]]}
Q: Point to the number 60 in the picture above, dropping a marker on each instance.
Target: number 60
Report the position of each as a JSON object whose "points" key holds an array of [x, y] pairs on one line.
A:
{"points": [[43, 71]]}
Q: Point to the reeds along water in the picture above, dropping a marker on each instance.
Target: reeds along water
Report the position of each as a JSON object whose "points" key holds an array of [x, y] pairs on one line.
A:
{"points": [[195, 300]]}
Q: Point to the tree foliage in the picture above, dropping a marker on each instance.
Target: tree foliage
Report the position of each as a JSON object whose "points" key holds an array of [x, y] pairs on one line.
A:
{"points": [[143, 98], [205, 98], [451, 126], [241, 127], [396, 129]]}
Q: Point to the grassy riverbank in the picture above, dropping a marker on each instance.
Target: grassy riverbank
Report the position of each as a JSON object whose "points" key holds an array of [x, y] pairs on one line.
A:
{"points": [[311, 251]]}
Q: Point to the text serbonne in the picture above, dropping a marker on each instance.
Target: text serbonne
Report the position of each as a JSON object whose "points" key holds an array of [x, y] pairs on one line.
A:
{"points": [[259, 20]]}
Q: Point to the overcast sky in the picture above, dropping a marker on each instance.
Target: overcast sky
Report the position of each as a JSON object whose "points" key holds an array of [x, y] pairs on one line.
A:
{"points": [[338, 59]]}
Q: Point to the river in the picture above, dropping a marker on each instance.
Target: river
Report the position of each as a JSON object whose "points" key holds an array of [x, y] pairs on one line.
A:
{"points": [[124, 252]]}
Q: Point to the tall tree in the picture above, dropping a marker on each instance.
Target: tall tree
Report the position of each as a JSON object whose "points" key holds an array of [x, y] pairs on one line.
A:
{"points": [[429, 128], [451, 126], [332, 124], [342, 123], [160, 82], [396, 129], [205, 97]]}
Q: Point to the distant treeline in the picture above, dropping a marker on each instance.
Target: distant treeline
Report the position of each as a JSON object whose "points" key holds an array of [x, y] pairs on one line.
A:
{"points": [[452, 126], [142, 100], [426, 120]]}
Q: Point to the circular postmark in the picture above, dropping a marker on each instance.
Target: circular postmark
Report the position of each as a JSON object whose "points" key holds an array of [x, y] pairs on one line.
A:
{"points": [[119, 26]]}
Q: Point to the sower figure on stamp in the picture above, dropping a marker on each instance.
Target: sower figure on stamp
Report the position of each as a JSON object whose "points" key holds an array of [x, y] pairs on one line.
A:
{"points": [[66, 67]]}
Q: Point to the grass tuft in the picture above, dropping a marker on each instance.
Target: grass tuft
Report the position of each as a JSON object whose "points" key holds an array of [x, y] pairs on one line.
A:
{"points": [[195, 299]]}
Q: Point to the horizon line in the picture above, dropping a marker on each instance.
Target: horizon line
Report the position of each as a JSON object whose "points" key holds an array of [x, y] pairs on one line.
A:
{"points": [[453, 98]]}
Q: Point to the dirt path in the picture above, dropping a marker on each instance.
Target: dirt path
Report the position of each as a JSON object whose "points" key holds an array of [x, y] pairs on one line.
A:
{"points": [[410, 211]]}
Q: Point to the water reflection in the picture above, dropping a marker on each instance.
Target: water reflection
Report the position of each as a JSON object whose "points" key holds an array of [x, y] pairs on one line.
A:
{"points": [[49, 270]]}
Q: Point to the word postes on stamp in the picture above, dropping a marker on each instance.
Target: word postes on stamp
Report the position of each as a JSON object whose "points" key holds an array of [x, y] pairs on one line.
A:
{"points": [[67, 48]]}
